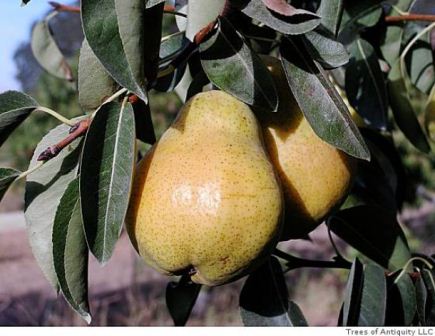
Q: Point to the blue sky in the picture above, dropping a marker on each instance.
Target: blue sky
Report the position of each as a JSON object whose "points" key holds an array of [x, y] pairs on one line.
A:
{"points": [[15, 23]]}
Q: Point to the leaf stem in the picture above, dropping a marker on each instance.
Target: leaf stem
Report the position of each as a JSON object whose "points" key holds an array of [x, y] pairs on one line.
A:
{"points": [[30, 171], [295, 262], [410, 17], [56, 115], [110, 99]]}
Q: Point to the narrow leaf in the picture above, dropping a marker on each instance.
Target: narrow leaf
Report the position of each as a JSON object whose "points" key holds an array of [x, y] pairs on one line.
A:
{"points": [[429, 116], [7, 177], [403, 111], [296, 315], [298, 23], [352, 300], [226, 58], [15, 107], [264, 297], [94, 83], [143, 122], [331, 12], [374, 232], [401, 300], [365, 84], [429, 281], [422, 296], [105, 176], [320, 102], [284, 8], [48, 54], [44, 189], [102, 31], [200, 13], [70, 253], [374, 297], [180, 299]]}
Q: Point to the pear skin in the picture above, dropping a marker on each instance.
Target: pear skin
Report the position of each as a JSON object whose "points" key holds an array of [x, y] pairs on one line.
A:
{"points": [[315, 176], [206, 200]]}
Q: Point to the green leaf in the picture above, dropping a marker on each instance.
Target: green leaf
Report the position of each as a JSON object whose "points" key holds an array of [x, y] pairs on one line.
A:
{"points": [[331, 12], [180, 299], [296, 315], [422, 296], [357, 16], [44, 189], [106, 175], [94, 83], [7, 177], [374, 232], [107, 37], [325, 49], [374, 297], [404, 114], [353, 294], [140, 29], [70, 253], [15, 107], [264, 298], [48, 54], [320, 102], [172, 45], [200, 13], [401, 300], [299, 22], [429, 281], [226, 58], [365, 84], [429, 115]]}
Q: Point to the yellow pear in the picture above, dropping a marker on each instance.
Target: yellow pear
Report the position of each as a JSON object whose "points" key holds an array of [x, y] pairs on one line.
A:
{"points": [[206, 200], [315, 176]]}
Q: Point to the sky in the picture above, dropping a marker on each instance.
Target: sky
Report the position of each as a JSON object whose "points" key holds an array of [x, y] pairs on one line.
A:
{"points": [[15, 23]]}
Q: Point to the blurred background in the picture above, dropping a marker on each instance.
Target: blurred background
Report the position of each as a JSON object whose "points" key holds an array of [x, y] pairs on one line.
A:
{"points": [[126, 292]]}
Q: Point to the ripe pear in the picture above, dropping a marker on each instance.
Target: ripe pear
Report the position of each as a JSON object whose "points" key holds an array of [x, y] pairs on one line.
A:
{"points": [[315, 176], [206, 200]]}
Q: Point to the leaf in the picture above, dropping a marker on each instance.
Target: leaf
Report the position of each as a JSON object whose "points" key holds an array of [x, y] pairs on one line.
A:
{"points": [[353, 294], [108, 39], [94, 83], [374, 232], [402, 302], [403, 111], [180, 299], [7, 177], [226, 59], [298, 23], [44, 189], [143, 122], [47, 53], [70, 253], [264, 298], [296, 315], [422, 297], [365, 84], [200, 13], [15, 107], [152, 3], [331, 12], [428, 278], [320, 102], [325, 49], [140, 30], [373, 298], [429, 116], [106, 175]]}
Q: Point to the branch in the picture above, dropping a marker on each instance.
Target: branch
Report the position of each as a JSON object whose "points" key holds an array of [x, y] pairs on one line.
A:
{"points": [[64, 8], [295, 262], [76, 132], [410, 17]]}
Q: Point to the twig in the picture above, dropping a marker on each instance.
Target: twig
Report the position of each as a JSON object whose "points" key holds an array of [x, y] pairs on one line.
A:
{"points": [[295, 262], [410, 17], [76, 131], [64, 8]]}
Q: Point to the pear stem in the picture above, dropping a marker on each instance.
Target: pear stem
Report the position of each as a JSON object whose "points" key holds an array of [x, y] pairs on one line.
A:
{"points": [[295, 262]]}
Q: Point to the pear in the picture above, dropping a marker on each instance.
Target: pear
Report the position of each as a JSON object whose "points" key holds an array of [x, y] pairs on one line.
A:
{"points": [[315, 176], [206, 200]]}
